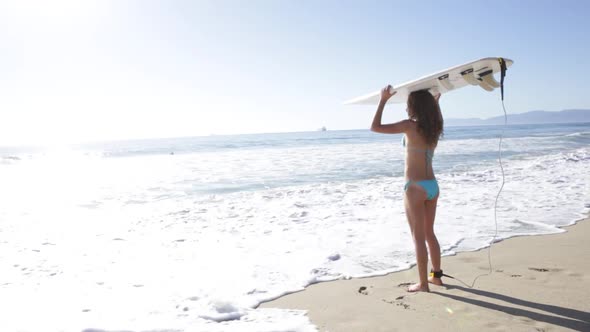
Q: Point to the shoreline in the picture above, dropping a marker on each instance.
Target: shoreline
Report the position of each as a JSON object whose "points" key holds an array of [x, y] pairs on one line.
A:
{"points": [[537, 283]]}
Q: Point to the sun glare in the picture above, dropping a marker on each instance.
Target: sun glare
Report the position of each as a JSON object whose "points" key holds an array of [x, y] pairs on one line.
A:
{"points": [[54, 8], [54, 12]]}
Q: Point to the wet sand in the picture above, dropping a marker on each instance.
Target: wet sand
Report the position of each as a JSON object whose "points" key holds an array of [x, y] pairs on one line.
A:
{"points": [[538, 283]]}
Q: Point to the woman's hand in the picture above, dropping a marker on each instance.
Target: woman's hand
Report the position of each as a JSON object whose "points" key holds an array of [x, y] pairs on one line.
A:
{"points": [[385, 94], [392, 128], [437, 97]]}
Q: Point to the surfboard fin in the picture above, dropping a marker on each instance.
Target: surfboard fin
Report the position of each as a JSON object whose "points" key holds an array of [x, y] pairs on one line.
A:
{"points": [[490, 80], [485, 86], [444, 81], [469, 77]]}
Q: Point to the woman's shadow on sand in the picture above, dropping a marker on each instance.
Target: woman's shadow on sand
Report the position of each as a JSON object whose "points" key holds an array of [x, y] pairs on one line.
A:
{"points": [[568, 318]]}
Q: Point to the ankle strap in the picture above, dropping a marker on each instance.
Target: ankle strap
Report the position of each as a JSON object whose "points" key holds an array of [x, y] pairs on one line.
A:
{"points": [[436, 274]]}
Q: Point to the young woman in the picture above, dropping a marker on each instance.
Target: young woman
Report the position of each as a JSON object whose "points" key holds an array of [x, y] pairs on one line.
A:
{"points": [[421, 132]]}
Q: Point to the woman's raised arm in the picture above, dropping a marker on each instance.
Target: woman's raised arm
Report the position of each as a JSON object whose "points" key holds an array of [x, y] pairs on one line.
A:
{"points": [[392, 128]]}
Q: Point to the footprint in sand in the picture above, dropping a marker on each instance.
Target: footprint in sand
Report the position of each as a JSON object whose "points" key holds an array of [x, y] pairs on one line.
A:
{"points": [[538, 269], [404, 284], [399, 304], [363, 290]]}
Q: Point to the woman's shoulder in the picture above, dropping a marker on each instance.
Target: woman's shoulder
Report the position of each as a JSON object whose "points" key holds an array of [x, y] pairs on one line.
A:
{"points": [[414, 137], [412, 127]]}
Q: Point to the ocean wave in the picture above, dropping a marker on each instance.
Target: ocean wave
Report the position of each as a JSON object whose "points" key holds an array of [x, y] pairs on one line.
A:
{"points": [[9, 160], [584, 133]]}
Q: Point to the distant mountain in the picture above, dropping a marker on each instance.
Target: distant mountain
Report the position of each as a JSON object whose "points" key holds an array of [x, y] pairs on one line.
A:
{"points": [[565, 116]]}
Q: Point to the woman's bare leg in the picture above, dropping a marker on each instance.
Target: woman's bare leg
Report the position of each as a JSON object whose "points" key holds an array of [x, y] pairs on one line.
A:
{"points": [[415, 212], [431, 240]]}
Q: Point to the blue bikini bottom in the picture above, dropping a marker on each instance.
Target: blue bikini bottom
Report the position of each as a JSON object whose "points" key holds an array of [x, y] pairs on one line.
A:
{"points": [[430, 186]]}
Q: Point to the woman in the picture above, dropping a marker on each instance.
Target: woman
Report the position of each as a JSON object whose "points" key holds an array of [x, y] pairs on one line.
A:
{"points": [[422, 130]]}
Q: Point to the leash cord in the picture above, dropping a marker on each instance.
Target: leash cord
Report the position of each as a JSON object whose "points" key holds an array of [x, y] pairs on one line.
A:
{"points": [[495, 207]]}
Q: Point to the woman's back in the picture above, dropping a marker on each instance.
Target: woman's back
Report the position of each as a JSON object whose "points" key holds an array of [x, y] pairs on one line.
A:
{"points": [[419, 155]]}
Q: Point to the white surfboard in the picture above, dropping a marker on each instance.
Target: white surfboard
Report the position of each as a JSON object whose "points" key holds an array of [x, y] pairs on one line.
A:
{"points": [[479, 73]]}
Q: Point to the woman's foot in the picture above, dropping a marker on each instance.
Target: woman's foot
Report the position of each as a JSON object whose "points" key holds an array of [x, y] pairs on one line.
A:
{"points": [[435, 281], [418, 288], [434, 277]]}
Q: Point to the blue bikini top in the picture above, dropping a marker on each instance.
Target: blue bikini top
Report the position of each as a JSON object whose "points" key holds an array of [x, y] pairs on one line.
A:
{"points": [[429, 153]]}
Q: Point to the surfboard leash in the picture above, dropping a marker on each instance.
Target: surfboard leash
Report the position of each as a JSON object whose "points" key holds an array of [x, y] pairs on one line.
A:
{"points": [[502, 75]]}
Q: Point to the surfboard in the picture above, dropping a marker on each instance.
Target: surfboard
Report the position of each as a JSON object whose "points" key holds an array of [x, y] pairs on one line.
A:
{"points": [[474, 73]]}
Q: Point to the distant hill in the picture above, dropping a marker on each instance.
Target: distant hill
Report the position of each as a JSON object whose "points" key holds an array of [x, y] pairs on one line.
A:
{"points": [[533, 117]]}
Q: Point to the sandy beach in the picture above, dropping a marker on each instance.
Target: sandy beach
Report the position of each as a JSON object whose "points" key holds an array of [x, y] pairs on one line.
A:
{"points": [[538, 283]]}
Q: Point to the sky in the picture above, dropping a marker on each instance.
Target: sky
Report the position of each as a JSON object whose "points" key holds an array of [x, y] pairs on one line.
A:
{"points": [[84, 70]]}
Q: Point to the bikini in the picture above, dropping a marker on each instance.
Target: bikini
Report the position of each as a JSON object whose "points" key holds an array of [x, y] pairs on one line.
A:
{"points": [[429, 186]]}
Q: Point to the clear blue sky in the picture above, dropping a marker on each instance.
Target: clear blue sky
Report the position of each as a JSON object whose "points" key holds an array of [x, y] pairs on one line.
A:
{"points": [[84, 70]]}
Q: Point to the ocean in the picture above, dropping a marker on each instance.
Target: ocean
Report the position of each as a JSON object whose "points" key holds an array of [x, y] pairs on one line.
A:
{"points": [[191, 234]]}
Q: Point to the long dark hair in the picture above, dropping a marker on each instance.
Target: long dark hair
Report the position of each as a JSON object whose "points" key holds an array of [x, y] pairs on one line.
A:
{"points": [[423, 108]]}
